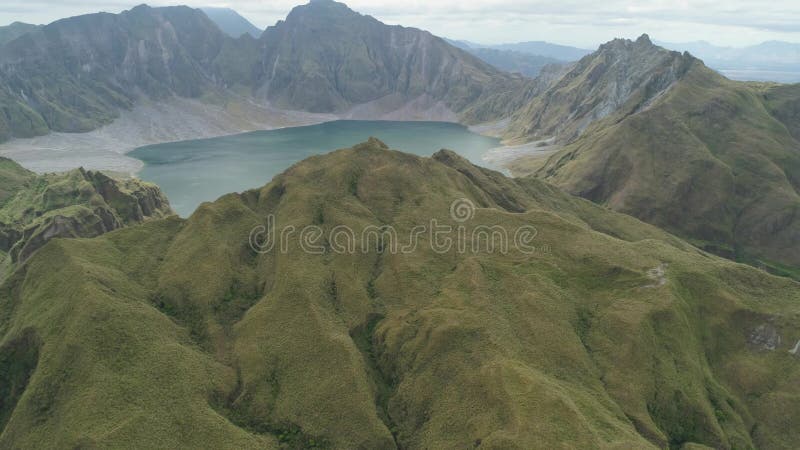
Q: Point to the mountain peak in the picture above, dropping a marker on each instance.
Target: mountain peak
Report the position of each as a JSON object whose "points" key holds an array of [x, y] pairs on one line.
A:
{"points": [[324, 6], [321, 12], [643, 42], [141, 7], [644, 39]]}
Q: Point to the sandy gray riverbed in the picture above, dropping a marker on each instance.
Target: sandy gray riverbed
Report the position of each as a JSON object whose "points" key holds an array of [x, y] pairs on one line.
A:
{"points": [[503, 156]]}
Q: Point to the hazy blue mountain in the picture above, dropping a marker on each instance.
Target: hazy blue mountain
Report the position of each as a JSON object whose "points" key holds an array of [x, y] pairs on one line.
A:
{"points": [[768, 61], [541, 48], [513, 61], [466, 45], [231, 22], [509, 60], [563, 53], [10, 32]]}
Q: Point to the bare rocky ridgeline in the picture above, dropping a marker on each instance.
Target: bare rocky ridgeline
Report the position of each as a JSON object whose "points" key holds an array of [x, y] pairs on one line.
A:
{"points": [[622, 77]]}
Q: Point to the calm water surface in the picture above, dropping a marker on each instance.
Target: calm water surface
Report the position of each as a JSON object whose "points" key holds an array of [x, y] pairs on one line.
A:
{"points": [[192, 172]]}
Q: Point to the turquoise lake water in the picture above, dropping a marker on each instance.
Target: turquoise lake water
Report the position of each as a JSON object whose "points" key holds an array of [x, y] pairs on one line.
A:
{"points": [[192, 172]]}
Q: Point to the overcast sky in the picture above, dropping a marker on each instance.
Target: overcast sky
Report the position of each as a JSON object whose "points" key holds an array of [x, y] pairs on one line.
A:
{"points": [[581, 23]]}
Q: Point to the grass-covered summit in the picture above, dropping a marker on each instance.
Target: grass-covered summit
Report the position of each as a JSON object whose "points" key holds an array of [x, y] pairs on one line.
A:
{"points": [[177, 334]]}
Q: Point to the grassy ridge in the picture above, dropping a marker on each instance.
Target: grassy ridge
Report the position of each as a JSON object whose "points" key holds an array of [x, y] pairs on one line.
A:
{"points": [[37, 208], [614, 335], [710, 159]]}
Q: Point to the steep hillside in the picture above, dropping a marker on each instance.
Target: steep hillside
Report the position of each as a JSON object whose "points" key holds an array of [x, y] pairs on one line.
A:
{"points": [[622, 78], [772, 60], [327, 58], [672, 142], [75, 74], [783, 102], [608, 334], [35, 209], [13, 178]]}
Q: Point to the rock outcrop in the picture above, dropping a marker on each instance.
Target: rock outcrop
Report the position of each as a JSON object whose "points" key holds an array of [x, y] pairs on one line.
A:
{"points": [[77, 204]]}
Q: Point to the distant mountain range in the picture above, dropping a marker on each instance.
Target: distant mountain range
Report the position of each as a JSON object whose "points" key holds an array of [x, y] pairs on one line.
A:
{"points": [[515, 61], [768, 61], [563, 53]]}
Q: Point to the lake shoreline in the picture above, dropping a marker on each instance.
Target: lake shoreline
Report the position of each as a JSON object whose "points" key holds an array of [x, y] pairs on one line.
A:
{"points": [[193, 171], [180, 119]]}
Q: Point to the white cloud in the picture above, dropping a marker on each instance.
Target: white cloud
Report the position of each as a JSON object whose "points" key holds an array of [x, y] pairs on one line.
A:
{"points": [[577, 22]]}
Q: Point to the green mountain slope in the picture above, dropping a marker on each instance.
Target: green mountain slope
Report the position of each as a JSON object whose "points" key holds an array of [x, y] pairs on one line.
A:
{"points": [[37, 208], [707, 158], [561, 52], [13, 177], [514, 62], [612, 334]]}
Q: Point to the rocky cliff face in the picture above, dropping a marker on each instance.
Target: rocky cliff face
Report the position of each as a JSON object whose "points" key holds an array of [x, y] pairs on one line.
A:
{"points": [[71, 205], [328, 58], [76, 74], [621, 78]]}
